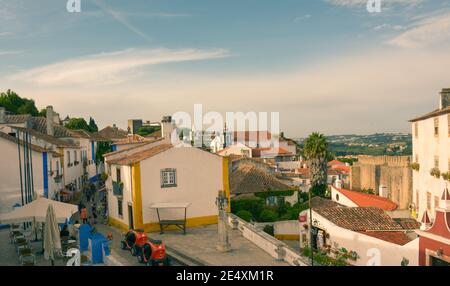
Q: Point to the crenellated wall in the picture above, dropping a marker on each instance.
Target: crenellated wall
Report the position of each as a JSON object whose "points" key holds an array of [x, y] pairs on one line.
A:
{"points": [[393, 172]]}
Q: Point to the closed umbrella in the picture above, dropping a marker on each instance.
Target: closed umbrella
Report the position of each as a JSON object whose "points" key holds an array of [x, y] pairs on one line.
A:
{"points": [[52, 241]]}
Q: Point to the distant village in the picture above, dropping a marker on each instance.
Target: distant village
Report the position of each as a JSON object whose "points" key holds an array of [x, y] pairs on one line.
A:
{"points": [[293, 201]]}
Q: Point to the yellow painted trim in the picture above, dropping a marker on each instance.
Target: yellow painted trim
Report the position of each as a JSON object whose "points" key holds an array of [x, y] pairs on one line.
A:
{"points": [[137, 196], [190, 222], [226, 180], [117, 223], [287, 236]]}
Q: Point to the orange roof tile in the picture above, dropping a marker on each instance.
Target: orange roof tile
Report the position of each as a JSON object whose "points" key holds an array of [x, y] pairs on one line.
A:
{"points": [[368, 200], [137, 157], [397, 237]]}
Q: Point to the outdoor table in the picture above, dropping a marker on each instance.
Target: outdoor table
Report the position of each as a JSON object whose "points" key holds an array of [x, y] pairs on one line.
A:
{"points": [[164, 223]]}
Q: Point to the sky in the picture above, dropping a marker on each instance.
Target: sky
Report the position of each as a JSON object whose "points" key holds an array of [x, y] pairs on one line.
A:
{"points": [[324, 65]]}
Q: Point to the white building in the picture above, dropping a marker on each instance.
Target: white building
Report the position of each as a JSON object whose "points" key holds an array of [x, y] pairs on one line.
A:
{"points": [[158, 172], [369, 236], [45, 176], [431, 154], [237, 149]]}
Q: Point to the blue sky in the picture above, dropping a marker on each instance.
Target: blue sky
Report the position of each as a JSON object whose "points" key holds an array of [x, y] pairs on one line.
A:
{"points": [[325, 65]]}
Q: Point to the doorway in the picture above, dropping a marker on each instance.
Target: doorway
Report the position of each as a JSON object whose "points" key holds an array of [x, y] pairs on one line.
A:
{"points": [[130, 216]]}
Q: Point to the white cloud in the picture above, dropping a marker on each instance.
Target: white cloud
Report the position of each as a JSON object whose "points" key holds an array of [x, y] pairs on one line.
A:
{"points": [[371, 92], [354, 3], [301, 18], [110, 67], [388, 27], [425, 33], [7, 53]]}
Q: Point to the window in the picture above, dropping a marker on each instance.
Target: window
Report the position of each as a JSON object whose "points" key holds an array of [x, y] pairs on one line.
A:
{"points": [[120, 207], [436, 162], [416, 129], [428, 201], [68, 158], [118, 177], [168, 178], [436, 126]]}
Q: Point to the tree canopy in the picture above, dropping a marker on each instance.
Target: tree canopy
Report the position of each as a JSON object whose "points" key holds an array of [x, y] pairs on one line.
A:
{"points": [[316, 151], [146, 130], [12, 102], [80, 123]]}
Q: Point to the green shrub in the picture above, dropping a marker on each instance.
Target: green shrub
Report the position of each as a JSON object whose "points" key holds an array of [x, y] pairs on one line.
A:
{"points": [[319, 190], [254, 206], [268, 215], [245, 215], [269, 229]]}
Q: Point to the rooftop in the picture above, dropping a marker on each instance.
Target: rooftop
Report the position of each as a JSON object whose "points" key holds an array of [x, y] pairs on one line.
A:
{"points": [[432, 114], [248, 178], [113, 133], [360, 218], [50, 139], [368, 200], [139, 156], [32, 146]]}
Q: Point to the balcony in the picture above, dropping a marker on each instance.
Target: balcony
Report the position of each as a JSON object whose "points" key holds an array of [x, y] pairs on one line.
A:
{"points": [[118, 188]]}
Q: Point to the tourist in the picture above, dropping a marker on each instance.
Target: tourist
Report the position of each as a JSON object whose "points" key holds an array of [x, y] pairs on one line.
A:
{"points": [[83, 215]]}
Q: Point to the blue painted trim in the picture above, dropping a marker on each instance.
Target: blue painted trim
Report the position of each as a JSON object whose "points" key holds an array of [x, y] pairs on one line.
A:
{"points": [[45, 170], [93, 150], [113, 147]]}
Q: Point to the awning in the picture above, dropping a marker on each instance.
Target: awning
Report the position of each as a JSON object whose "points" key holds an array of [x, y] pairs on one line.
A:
{"points": [[37, 211], [169, 205]]}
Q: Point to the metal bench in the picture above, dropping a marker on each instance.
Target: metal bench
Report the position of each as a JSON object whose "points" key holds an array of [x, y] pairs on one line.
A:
{"points": [[165, 223]]}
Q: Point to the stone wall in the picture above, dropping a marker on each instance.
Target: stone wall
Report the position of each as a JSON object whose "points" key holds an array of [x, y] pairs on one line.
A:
{"points": [[392, 172]]}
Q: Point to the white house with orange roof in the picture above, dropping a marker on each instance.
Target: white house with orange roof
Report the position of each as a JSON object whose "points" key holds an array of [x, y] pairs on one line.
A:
{"points": [[359, 199]]}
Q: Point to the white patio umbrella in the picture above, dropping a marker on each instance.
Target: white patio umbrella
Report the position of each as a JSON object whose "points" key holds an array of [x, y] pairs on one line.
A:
{"points": [[36, 212], [52, 241]]}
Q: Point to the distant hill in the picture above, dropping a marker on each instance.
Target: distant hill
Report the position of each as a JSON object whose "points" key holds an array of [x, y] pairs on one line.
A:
{"points": [[374, 144]]}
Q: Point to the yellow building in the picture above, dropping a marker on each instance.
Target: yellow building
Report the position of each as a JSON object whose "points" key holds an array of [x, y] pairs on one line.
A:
{"points": [[160, 173]]}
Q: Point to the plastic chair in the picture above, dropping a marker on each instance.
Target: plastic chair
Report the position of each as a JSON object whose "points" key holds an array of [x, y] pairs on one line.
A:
{"points": [[26, 257]]}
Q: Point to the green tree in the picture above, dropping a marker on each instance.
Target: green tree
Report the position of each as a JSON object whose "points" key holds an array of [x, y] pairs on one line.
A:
{"points": [[78, 123], [146, 130], [316, 152], [92, 125], [268, 215], [12, 102], [245, 215]]}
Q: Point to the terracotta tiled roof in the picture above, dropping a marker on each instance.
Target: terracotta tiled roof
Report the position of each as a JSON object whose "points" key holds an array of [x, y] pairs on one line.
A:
{"points": [[137, 157], [408, 223], [367, 200], [87, 135], [50, 139], [248, 178], [17, 119], [343, 169], [40, 124], [432, 114], [257, 152], [156, 134], [318, 203], [396, 237], [335, 163], [33, 147], [359, 218], [131, 148], [134, 138], [113, 133]]}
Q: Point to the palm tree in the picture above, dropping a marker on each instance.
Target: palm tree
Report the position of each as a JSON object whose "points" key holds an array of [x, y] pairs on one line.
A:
{"points": [[316, 152]]}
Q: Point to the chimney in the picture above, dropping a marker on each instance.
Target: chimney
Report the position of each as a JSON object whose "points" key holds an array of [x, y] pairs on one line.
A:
{"points": [[425, 222], [50, 122], [167, 127], [445, 98], [2, 115]]}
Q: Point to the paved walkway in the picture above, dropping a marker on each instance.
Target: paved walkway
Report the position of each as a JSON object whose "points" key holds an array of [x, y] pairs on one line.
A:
{"points": [[200, 242]]}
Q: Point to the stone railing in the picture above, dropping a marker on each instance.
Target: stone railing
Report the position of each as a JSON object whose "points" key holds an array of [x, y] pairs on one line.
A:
{"points": [[274, 247]]}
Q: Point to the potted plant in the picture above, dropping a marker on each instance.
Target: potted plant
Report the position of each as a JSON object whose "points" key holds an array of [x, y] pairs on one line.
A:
{"points": [[435, 172], [415, 166]]}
